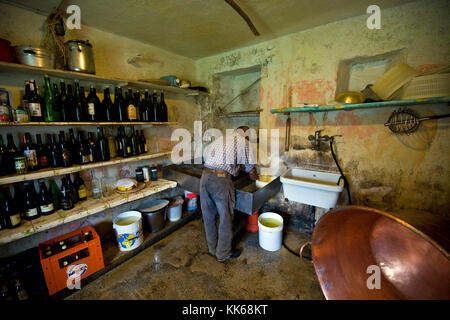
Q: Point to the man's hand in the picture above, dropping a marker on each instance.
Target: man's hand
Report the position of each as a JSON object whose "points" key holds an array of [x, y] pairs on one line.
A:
{"points": [[253, 174]]}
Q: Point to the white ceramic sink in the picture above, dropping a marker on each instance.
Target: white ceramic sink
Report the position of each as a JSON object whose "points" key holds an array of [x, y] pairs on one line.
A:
{"points": [[316, 188]]}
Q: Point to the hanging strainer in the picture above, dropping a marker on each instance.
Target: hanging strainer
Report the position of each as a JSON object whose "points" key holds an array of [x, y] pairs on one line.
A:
{"points": [[406, 121]]}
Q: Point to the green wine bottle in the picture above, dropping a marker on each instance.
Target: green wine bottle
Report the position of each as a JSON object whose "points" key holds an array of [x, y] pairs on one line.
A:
{"points": [[51, 115]]}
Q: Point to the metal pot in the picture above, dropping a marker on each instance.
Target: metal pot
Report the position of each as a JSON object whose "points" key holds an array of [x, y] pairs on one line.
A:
{"points": [[35, 57], [155, 214], [80, 56], [353, 246]]}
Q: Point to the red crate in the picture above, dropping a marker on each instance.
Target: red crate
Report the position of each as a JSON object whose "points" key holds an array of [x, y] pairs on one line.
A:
{"points": [[91, 260]]}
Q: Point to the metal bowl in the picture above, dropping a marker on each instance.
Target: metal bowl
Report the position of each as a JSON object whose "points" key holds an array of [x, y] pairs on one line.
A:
{"points": [[353, 245], [351, 97]]}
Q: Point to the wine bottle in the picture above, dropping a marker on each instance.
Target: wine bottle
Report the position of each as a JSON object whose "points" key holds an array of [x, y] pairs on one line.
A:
{"points": [[51, 110], [64, 151], [64, 103], [108, 107], [163, 109], [12, 153], [131, 108], [120, 144], [29, 151], [84, 103], [143, 142], [70, 184], [127, 144], [31, 207], [26, 96], [4, 159], [135, 149], [93, 105], [66, 195], [137, 104], [53, 151], [119, 105], [55, 193], [155, 108], [34, 103], [72, 142], [45, 199], [78, 100], [81, 154], [102, 146], [92, 148], [80, 187], [42, 153], [10, 212], [71, 103], [57, 97]]}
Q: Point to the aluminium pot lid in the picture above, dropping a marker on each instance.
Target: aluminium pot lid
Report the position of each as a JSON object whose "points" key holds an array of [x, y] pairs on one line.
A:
{"points": [[85, 42], [155, 205]]}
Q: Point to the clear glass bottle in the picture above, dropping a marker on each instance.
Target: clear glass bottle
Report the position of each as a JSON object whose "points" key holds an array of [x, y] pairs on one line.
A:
{"points": [[96, 186]]}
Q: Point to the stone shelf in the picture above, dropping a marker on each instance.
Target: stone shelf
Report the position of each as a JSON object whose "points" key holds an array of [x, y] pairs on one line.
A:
{"points": [[82, 210], [53, 172]]}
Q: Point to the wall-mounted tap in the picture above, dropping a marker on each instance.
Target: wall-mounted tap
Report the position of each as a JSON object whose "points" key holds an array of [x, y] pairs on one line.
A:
{"points": [[316, 139]]}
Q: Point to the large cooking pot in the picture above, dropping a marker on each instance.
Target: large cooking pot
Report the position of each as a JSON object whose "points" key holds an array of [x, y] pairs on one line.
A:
{"points": [[351, 245], [35, 57], [80, 56], [155, 214], [5, 51]]}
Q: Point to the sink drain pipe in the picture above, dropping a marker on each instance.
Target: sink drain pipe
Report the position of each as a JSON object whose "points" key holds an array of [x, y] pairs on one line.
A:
{"points": [[340, 170]]}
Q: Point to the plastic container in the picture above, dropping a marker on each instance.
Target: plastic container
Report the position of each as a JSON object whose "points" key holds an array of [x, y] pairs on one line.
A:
{"points": [[191, 200], [393, 80], [435, 85], [155, 213], [175, 209], [85, 256], [270, 238], [128, 227]]}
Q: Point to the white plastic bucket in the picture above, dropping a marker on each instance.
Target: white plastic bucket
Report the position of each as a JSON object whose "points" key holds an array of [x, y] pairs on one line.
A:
{"points": [[129, 235], [270, 238], [175, 209]]}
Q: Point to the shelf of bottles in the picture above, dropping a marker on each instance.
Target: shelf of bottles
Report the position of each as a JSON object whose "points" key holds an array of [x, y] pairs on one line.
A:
{"points": [[37, 160], [61, 104], [80, 210], [81, 123], [28, 71]]}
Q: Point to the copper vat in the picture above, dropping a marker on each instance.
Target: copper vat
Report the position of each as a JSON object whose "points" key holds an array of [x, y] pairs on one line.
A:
{"points": [[411, 254]]}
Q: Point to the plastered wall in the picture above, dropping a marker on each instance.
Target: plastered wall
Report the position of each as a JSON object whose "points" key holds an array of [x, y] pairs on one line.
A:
{"points": [[385, 171]]}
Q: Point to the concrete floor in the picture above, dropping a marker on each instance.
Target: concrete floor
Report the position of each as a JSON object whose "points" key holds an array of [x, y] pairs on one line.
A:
{"points": [[179, 267]]}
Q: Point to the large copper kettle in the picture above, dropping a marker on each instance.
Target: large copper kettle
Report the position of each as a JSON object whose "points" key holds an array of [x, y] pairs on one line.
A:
{"points": [[352, 246]]}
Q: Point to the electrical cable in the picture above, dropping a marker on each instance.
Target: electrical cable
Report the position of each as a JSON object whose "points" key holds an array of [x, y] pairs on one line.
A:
{"points": [[340, 170]]}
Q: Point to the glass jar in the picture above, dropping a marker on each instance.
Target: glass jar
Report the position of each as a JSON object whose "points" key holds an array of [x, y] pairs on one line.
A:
{"points": [[20, 114], [20, 164]]}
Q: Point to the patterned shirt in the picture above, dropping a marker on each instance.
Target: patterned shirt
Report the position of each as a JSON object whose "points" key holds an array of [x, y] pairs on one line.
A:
{"points": [[229, 155]]}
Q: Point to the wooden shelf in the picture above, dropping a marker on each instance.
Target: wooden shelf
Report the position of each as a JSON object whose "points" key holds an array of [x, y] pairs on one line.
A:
{"points": [[6, 67], [53, 172], [81, 210], [19, 124], [351, 106]]}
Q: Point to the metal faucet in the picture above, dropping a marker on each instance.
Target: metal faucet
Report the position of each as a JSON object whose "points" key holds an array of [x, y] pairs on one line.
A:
{"points": [[316, 139]]}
